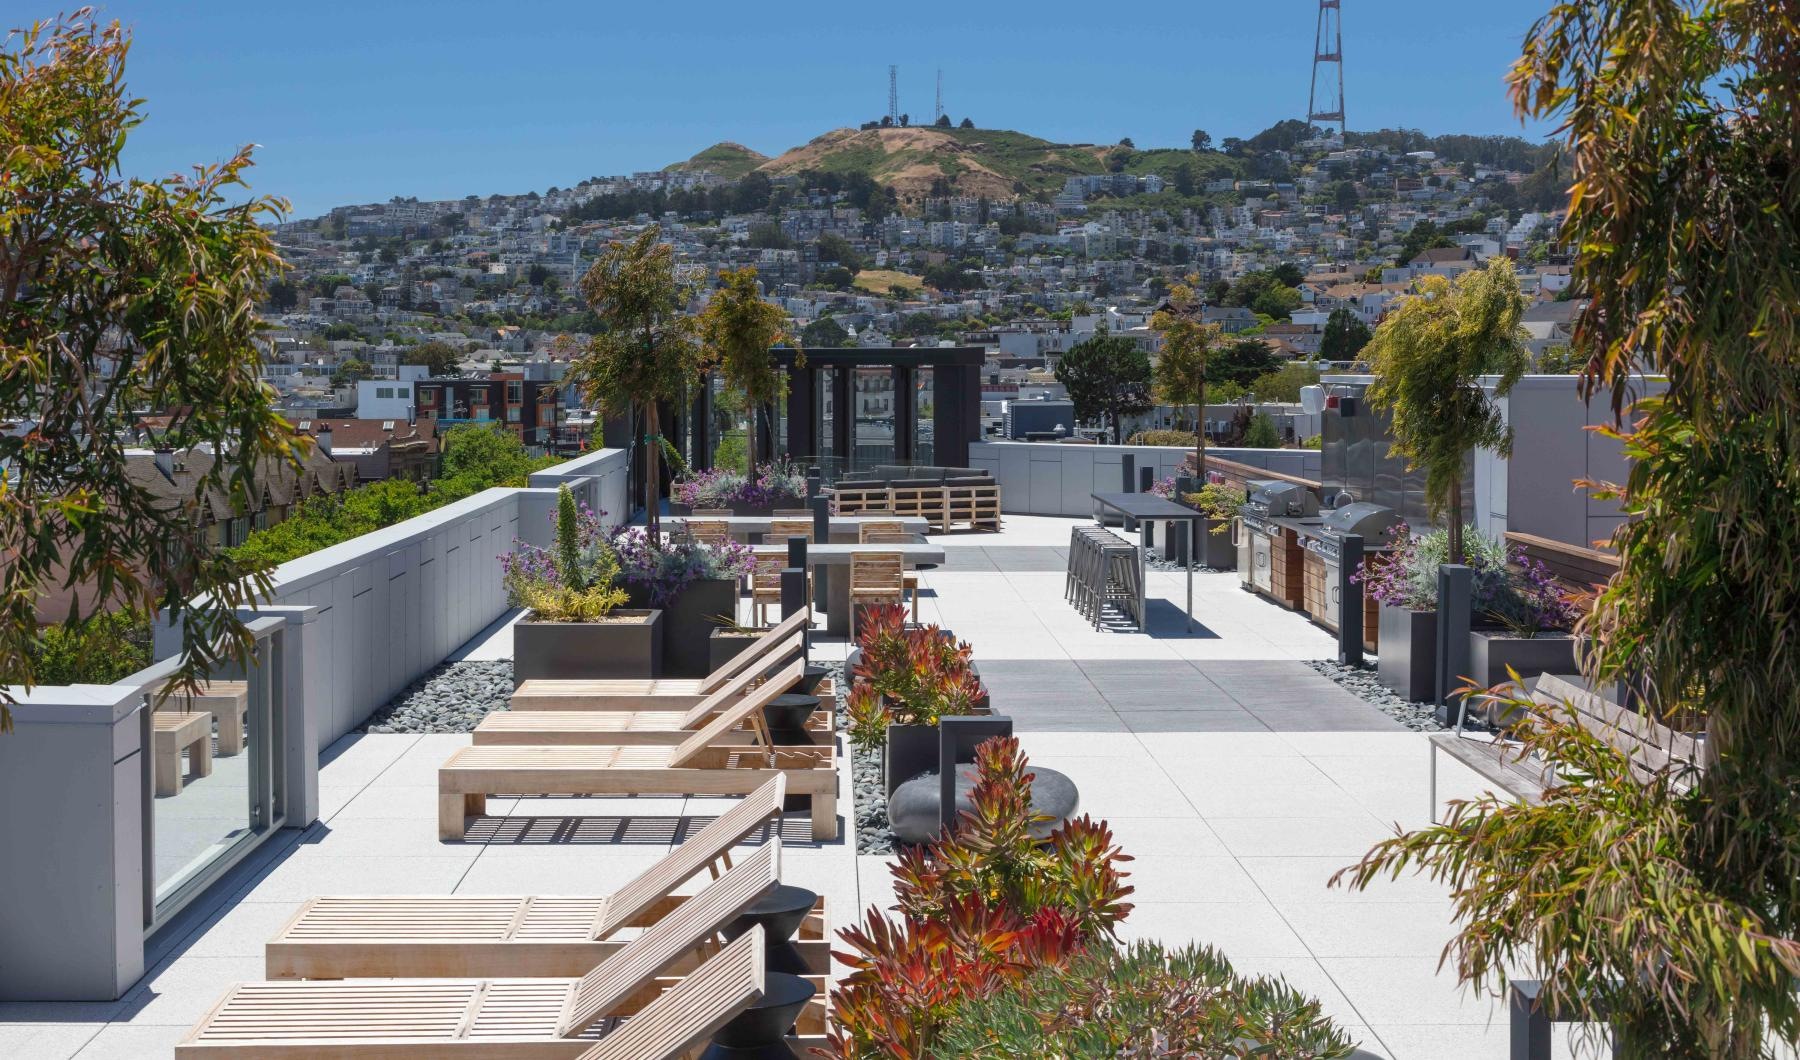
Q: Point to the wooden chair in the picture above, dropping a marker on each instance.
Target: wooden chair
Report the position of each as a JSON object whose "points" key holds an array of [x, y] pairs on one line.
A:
{"points": [[765, 581], [713, 532], [494, 1018], [712, 760], [664, 728], [360, 937], [782, 529], [879, 527], [908, 579], [663, 693], [875, 577]]}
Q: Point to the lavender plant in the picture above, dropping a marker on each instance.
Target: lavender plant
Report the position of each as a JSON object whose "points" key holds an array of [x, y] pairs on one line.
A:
{"points": [[574, 582], [665, 568], [772, 486], [1510, 587]]}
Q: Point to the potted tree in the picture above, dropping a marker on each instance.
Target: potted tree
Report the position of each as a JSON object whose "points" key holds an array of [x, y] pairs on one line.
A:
{"points": [[1181, 367], [647, 354], [1430, 358], [903, 681], [1220, 503], [690, 582], [573, 626]]}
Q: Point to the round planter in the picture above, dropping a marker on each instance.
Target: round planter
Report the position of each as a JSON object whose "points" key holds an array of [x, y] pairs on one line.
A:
{"points": [[913, 810]]}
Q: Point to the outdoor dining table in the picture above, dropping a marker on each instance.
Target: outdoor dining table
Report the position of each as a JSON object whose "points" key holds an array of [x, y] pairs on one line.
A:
{"points": [[830, 565], [844, 528], [1150, 508]]}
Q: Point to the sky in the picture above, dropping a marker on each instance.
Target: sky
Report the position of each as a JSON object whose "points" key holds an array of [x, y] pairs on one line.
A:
{"points": [[360, 102]]}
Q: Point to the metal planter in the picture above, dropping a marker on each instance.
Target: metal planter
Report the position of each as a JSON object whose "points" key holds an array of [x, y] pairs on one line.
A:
{"points": [[581, 650]]}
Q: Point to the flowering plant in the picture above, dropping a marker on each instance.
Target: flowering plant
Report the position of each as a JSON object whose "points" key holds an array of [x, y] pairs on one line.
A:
{"points": [[1526, 603], [1164, 487], [573, 582], [665, 568], [772, 486], [907, 676]]}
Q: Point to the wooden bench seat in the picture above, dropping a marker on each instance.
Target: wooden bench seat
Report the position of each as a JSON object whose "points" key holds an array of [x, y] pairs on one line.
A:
{"points": [[504, 1017], [174, 735], [227, 701], [1652, 748]]}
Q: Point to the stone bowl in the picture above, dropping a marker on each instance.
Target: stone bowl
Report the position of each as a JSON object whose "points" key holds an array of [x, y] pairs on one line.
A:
{"points": [[913, 808], [790, 710]]}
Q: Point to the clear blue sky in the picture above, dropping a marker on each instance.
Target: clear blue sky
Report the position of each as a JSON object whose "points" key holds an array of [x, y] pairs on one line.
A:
{"points": [[358, 102]]}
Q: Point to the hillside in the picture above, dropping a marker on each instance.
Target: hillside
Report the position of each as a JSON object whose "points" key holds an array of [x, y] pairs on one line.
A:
{"points": [[727, 159], [991, 163]]}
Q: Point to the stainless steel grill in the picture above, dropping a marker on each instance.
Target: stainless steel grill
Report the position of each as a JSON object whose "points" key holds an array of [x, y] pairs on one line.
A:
{"points": [[1274, 499], [1372, 521]]}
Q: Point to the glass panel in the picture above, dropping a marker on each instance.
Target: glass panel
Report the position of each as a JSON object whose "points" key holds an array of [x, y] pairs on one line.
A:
{"points": [[872, 398], [826, 423], [211, 778], [925, 417]]}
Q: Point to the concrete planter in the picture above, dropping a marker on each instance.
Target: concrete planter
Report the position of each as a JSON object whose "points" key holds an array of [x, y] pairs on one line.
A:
{"points": [[688, 625], [723, 645], [1491, 651], [631, 645], [1409, 652], [910, 751]]}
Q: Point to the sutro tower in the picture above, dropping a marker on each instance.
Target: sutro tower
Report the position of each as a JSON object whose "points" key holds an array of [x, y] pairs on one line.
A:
{"points": [[893, 95], [1324, 106]]}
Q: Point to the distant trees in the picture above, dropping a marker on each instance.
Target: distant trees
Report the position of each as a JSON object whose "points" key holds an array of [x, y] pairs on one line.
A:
{"points": [[1284, 383], [769, 236], [823, 334], [1345, 336], [1423, 236], [737, 330], [1344, 197], [952, 276], [1262, 433], [350, 371], [282, 296], [1125, 142], [1202, 140], [1108, 377], [1186, 183], [943, 121], [833, 247], [968, 123], [438, 357], [1184, 363]]}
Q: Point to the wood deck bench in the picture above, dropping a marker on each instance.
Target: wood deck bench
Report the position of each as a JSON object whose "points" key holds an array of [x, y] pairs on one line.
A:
{"points": [[227, 701], [174, 734], [377, 936], [709, 761], [1653, 748]]}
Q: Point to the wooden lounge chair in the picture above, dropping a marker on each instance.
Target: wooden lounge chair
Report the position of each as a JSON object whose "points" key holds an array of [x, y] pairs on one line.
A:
{"points": [[785, 637], [711, 760], [352, 937], [496, 1019], [539, 728]]}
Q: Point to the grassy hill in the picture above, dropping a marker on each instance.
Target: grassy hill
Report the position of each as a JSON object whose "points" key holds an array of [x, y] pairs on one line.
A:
{"points": [[883, 281], [987, 163], [728, 160], [994, 163]]}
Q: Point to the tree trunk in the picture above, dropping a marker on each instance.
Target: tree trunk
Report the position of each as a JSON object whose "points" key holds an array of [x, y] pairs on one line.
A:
{"points": [[1200, 436], [1454, 506], [652, 464]]}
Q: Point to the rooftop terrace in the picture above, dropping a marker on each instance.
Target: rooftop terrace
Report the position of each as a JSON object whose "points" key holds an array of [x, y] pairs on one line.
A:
{"points": [[1237, 778]]}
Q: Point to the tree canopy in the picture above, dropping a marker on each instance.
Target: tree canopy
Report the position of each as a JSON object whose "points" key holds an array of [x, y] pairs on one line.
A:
{"points": [[737, 331], [1429, 357], [118, 295], [1345, 336], [1185, 361], [1108, 377]]}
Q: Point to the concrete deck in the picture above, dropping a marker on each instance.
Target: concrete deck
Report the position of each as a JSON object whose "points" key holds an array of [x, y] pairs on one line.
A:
{"points": [[1237, 778]]}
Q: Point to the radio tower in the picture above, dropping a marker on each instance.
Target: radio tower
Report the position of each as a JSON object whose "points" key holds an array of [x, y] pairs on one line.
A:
{"points": [[940, 98], [1324, 106], [894, 96]]}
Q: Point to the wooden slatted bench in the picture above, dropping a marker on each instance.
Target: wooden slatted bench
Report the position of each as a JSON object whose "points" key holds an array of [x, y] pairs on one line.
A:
{"points": [[227, 701], [1651, 747], [927, 502], [176, 734], [849, 498], [976, 507]]}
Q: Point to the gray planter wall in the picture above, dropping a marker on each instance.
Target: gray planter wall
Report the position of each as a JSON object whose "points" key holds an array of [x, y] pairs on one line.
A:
{"points": [[1409, 652], [1047, 478]]}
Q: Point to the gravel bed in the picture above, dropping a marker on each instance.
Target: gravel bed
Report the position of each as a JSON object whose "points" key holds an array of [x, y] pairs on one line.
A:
{"points": [[452, 698], [868, 795], [1361, 682], [1156, 562]]}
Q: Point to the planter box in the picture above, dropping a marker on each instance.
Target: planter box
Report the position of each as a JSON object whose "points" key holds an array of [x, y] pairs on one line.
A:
{"points": [[1491, 651], [741, 509], [688, 625], [724, 646], [1409, 652], [629, 646], [1216, 550], [910, 751]]}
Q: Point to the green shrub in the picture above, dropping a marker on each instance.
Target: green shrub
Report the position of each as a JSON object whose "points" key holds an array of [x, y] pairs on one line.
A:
{"points": [[1142, 1001], [98, 650], [1262, 433], [1179, 439]]}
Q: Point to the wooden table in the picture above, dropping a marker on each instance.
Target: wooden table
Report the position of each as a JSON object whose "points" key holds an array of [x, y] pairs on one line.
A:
{"points": [[1149, 508], [821, 559], [845, 529]]}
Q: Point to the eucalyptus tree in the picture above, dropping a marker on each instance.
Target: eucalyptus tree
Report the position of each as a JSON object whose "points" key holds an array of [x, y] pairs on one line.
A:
{"points": [[1430, 357], [647, 353], [738, 331], [1667, 901], [1181, 367], [118, 295]]}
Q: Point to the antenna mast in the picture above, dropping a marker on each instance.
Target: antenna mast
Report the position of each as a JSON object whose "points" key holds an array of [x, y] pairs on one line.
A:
{"points": [[1327, 107], [893, 95], [935, 118]]}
